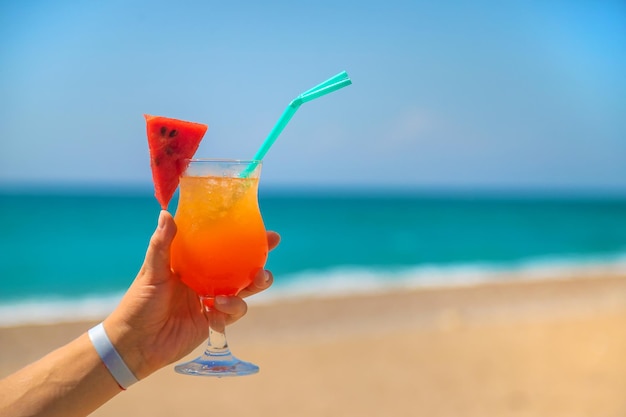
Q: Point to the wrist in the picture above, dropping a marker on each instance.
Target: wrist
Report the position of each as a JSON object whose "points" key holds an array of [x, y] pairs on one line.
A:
{"points": [[126, 342], [110, 357]]}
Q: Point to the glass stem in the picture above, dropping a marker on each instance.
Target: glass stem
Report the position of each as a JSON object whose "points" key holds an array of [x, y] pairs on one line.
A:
{"points": [[216, 359], [217, 344]]}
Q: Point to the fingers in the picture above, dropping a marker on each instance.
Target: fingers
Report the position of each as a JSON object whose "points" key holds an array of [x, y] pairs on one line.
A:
{"points": [[262, 281], [234, 307], [158, 254], [273, 239]]}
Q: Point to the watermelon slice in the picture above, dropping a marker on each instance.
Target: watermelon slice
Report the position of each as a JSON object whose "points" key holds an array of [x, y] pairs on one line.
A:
{"points": [[172, 143]]}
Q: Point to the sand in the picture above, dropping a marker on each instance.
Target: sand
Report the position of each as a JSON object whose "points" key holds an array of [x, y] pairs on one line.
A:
{"points": [[532, 348]]}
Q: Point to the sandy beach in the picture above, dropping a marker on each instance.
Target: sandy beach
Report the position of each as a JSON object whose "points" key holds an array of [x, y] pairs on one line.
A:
{"points": [[531, 348]]}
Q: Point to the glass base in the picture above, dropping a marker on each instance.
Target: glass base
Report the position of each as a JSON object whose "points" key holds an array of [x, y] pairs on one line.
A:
{"points": [[218, 365]]}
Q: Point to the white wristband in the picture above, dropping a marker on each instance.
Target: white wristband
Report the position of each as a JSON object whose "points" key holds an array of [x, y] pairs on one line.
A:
{"points": [[112, 360]]}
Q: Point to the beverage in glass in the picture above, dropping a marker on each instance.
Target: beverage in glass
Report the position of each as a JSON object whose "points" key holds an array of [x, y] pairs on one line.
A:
{"points": [[220, 245]]}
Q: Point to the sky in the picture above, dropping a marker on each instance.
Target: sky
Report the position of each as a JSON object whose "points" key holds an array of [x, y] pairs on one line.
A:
{"points": [[516, 95]]}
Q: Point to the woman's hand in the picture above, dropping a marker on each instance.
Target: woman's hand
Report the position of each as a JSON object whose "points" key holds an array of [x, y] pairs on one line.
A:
{"points": [[160, 320]]}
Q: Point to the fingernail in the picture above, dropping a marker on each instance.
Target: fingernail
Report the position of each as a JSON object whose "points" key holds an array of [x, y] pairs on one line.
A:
{"points": [[161, 222], [266, 276], [221, 299]]}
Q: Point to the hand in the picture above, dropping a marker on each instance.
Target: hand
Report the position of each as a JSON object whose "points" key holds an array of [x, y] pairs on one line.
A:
{"points": [[160, 320]]}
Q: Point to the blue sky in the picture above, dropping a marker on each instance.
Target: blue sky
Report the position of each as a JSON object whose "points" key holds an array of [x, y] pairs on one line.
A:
{"points": [[449, 94]]}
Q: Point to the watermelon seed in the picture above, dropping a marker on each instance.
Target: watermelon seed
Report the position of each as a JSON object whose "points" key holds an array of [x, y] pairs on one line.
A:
{"points": [[173, 133], [163, 131], [169, 150]]}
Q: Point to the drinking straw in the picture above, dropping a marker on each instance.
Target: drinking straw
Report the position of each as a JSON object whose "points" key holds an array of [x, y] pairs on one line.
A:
{"points": [[332, 84]]}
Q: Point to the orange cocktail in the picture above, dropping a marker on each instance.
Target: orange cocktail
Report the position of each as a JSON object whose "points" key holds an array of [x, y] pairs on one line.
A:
{"points": [[221, 242], [220, 245]]}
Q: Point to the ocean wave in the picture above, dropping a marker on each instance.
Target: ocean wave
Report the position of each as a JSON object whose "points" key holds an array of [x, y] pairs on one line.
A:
{"points": [[57, 310], [339, 281], [354, 280]]}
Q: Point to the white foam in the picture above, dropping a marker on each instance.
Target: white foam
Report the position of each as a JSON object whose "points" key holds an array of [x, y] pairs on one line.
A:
{"points": [[356, 280], [57, 310], [338, 281]]}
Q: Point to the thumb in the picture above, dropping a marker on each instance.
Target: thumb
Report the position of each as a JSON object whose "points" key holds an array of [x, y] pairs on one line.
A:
{"points": [[158, 254]]}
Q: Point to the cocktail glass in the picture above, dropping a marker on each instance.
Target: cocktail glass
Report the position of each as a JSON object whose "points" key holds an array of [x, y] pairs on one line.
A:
{"points": [[221, 244]]}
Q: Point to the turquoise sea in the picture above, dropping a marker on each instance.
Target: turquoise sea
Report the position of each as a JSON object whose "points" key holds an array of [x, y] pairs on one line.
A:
{"points": [[70, 254]]}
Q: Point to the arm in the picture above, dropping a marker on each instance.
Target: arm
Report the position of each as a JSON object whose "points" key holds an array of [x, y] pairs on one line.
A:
{"points": [[158, 321], [70, 381]]}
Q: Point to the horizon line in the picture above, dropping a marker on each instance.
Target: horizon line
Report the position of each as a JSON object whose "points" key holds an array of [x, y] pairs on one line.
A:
{"points": [[330, 190]]}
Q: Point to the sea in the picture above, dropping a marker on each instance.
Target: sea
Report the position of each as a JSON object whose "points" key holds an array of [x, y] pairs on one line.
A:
{"points": [[70, 254]]}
